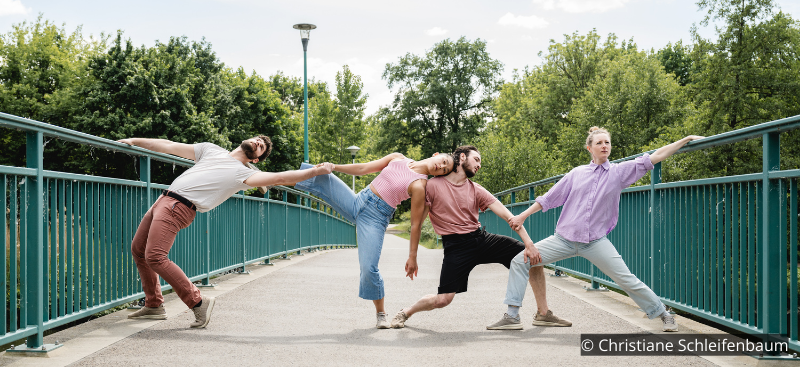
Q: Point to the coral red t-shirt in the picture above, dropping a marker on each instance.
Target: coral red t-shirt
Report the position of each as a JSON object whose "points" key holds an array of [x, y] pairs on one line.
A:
{"points": [[454, 209]]}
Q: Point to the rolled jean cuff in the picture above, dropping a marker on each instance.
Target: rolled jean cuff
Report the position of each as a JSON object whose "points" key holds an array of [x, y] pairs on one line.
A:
{"points": [[656, 312]]}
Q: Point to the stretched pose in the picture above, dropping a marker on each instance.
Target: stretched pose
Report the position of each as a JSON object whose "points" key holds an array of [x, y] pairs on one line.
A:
{"points": [[590, 196], [454, 203], [216, 175], [372, 208]]}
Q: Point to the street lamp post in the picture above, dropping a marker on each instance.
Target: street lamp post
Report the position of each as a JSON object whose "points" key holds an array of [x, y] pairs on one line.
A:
{"points": [[305, 31], [353, 150]]}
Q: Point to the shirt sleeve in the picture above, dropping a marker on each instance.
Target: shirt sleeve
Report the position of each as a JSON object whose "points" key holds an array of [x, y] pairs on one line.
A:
{"points": [[430, 192], [631, 171], [200, 149], [484, 197], [242, 174], [558, 194]]}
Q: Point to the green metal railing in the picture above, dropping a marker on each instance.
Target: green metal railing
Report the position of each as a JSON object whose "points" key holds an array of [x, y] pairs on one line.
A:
{"points": [[66, 244], [724, 249]]}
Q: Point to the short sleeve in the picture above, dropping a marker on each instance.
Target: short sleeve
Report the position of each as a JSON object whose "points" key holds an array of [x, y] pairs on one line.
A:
{"points": [[631, 171], [484, 197], [200, 150], [558, 194], [430, 192]]}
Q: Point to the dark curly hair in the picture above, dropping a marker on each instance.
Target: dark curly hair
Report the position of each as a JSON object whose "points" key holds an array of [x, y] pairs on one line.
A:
{"points": [[267, 146]]}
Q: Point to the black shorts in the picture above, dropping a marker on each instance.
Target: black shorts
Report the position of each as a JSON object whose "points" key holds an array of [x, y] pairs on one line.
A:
{"points": [[462, 252]]}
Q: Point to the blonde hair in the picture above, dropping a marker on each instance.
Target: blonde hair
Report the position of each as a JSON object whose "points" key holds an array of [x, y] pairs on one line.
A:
{"points": [[594, 130]]}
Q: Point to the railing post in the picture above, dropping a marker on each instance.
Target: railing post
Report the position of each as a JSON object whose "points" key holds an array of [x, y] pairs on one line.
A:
{"points": [[769, 279], [655, 223], [144, 176], [35, 240], [244, 236]]}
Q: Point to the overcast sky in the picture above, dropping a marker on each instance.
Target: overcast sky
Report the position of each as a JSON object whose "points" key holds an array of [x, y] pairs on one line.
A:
{"points": [[258, 35]]}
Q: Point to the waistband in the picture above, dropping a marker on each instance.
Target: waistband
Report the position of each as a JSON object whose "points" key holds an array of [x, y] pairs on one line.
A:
{"points": [[381, 204], [457, 236], [182, 199]]}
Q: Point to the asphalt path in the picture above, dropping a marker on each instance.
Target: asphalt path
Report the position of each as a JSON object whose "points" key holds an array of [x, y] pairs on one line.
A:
{"points": [[309, 314]]}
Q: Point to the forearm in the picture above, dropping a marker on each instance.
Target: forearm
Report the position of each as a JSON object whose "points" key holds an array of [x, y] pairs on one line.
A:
{"points": [[287, 178], [532, 209], [416, 232], [523, 234], [668, 150], [156, 145], [357, 169]]}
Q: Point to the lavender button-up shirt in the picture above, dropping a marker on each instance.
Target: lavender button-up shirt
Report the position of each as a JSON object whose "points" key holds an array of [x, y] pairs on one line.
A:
{"points": [[590, 196]]}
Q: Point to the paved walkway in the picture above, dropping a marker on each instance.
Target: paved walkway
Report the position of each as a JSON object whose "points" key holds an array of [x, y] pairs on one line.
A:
{"points": [[305, 311]]}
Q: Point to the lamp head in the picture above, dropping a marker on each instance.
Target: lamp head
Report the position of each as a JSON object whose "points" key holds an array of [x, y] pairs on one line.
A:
{"points": [[353, 150], [305, 29]]}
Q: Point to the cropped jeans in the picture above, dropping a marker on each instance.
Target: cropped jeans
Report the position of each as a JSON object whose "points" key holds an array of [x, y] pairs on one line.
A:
{"points": [[370, 214], [601, 253]]}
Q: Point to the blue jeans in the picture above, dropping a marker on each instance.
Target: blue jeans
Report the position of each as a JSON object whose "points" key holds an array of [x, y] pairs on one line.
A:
{"points": [[370, 214], [601, 253]]}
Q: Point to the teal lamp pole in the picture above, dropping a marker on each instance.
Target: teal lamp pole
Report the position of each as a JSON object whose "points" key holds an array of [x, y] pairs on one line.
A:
{"points": [[305, 31]]}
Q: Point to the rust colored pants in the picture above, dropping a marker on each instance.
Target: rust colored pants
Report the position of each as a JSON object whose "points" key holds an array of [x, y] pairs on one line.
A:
{"points": [[150, 248]]}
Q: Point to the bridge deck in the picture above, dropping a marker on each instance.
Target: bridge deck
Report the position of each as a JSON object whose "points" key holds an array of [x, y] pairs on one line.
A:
{"points": [[305, 311]]}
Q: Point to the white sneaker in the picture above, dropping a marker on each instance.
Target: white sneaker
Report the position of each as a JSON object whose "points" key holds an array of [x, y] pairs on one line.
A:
{"points": [[383, 323]]}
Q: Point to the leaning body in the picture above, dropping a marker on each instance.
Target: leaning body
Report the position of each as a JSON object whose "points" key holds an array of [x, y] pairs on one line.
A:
{"points": [[371, 210]]}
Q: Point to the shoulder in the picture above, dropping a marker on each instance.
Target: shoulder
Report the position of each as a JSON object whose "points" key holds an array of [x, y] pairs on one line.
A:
{"points": [[393, 157]]}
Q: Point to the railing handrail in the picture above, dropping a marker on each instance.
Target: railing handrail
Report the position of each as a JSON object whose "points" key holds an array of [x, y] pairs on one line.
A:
{"points": [[786, 124]]}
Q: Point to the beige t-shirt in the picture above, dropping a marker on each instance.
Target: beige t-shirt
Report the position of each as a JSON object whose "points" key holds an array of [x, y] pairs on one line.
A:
{"points": [[455, 208], [214, 178]]}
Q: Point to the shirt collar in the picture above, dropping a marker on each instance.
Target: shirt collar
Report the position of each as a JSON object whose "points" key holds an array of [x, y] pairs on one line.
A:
{"points": [[606, 165]]}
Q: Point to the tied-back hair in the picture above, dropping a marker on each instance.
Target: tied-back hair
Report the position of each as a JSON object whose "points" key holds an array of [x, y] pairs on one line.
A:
{"points": [[594, 130], [466, 149], [267, 146]]}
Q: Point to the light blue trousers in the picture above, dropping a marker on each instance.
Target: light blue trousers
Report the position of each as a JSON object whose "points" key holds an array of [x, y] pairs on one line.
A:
{"points": [[601, 253], [370, 214]]}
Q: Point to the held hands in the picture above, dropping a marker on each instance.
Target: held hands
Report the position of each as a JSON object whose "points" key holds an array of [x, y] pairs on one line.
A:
{"points": [[516, 222], [324, 168], [411, 267], [532, 253]]}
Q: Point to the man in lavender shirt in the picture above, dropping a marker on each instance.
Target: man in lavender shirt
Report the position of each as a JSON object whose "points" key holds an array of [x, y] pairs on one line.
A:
{"points": [[590, 195]]}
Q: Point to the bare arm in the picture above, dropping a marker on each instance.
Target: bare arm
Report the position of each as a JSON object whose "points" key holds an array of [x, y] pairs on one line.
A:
{"points": [[530, 250], [162, 146], [517, 221], [668, 150], [287, 177], [360, 169], [418, 213]]}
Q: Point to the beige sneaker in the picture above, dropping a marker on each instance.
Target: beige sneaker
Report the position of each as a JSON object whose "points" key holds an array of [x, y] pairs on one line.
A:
{"points": [[383, 323], [399, 320], [202, 314], [550, 320], [506, 323], [670, 324], [150, 313]]}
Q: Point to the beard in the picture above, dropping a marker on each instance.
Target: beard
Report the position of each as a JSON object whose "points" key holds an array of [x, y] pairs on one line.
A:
{"points": [[248, 149], [468, 171]]}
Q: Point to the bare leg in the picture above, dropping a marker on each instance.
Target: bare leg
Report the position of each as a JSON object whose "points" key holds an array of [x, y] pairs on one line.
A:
{"points": [[379, 305], [539, 287], [430, 302]]}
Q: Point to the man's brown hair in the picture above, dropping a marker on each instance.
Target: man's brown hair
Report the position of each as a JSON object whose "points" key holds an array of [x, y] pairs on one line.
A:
{"points": [[267, 146]]}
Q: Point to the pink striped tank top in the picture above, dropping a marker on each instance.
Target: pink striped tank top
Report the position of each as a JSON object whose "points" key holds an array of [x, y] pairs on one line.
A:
{"points": [[392, 183]]}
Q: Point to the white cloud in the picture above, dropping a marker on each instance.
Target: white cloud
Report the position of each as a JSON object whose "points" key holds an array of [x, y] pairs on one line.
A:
{"points": [[582, 6], [530, 22], [436, 31], [12, 7]]}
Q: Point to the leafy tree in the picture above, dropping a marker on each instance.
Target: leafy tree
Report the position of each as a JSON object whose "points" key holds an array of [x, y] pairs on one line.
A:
{"points": [[42, 70], [443, 98], [677, 60], [748, 76]]}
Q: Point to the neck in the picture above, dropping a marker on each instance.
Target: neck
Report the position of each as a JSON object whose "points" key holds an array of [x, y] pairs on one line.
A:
{"points": [[239, 155], [419, 167], [599, 162], [457, 178]]}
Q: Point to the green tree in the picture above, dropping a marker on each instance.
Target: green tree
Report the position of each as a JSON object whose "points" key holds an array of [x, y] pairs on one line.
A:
{"points": [[42, 70], [748, 76], [676, 59], [443, 98]]}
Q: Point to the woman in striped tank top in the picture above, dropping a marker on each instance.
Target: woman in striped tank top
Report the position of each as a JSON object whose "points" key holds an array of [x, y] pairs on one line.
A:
{"points": [[400, 178]]}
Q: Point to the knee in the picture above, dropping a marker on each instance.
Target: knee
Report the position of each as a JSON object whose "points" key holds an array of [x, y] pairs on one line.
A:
{"points": [[155, 260], [442, 300]]}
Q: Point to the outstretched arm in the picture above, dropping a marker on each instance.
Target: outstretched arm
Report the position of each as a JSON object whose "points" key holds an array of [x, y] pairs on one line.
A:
{"points": [[668, 150], [418, 213], [287, 177], [162, 146], [530, 250], [360, 169], [515, 222]]}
